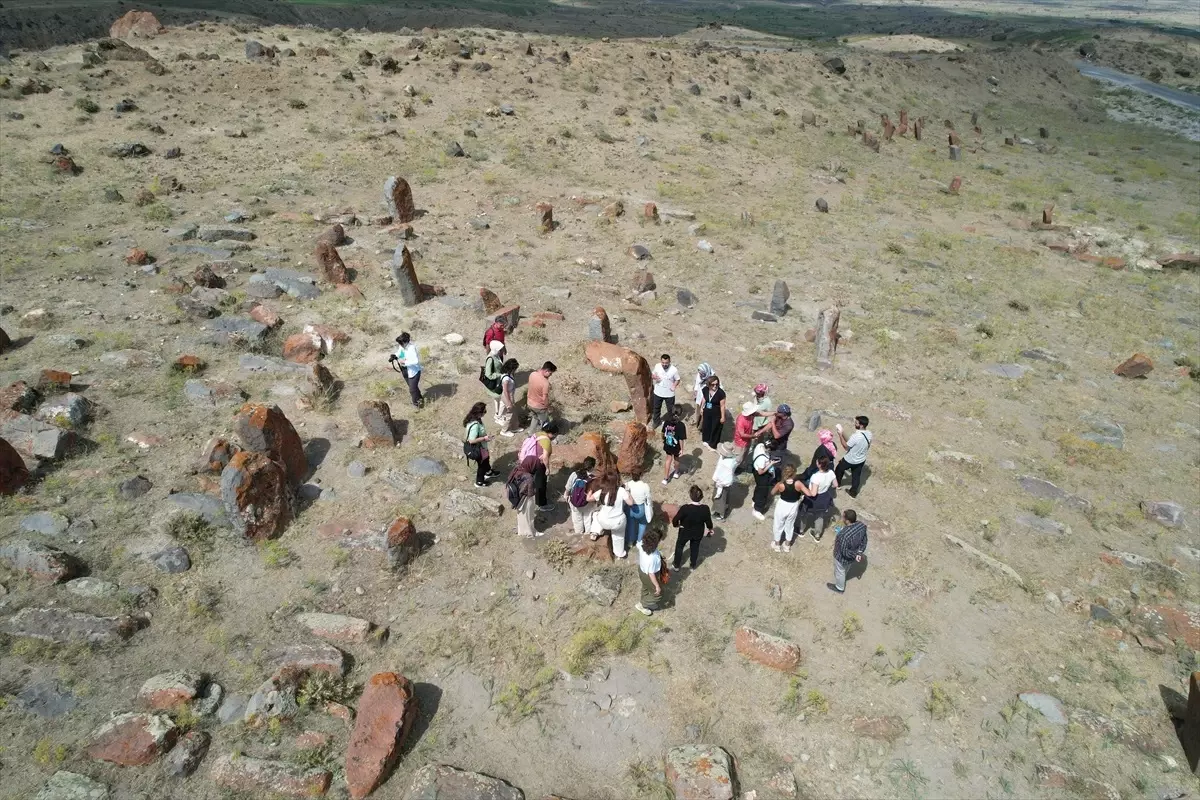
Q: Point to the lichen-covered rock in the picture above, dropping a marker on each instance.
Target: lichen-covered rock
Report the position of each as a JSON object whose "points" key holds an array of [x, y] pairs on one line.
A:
{"points": [[439, 782], [700, 772], [261, 777], [257, 499], [265, 429], [133, 739], [385, 715]]}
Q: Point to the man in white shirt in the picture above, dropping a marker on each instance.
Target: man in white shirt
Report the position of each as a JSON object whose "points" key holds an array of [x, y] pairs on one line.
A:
{"points": [[856, 453], [407, 361], [666, 381]]}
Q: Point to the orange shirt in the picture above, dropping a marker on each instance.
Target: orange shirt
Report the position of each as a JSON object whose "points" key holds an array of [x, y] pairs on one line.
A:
{"points": [[539, 391]]}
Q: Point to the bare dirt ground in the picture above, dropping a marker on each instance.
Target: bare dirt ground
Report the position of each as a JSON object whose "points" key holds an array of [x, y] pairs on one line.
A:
{"points": [[905, 43], [911, 680]]}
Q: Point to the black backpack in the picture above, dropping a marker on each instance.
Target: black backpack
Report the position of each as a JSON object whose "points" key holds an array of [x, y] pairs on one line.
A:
{"points": [[491, 384]]}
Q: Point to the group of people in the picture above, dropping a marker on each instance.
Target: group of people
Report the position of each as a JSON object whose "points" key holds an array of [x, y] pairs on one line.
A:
{"points": [[603, 503]]}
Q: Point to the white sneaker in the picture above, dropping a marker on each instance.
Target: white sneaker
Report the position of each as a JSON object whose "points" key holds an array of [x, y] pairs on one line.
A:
{"points": [[665, 482], [506, 434], [644, 610], [787, 547], [758, 515], [775, 546]]}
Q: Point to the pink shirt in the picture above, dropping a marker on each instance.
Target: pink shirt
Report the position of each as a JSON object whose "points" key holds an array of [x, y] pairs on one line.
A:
{"points": [[743, 430]]}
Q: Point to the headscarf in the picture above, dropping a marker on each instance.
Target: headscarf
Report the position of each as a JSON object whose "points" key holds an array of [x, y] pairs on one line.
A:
{"points": [[704, 371], [495, 346], [826, 437], [760, 390]]}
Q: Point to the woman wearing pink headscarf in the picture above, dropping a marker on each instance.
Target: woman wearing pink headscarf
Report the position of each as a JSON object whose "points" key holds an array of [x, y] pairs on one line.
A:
{"points": [[826, 449]]}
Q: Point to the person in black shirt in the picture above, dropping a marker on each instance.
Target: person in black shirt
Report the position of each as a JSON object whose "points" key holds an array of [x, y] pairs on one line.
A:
{"points": [[694, 522], [674, 434], [712, 413]]}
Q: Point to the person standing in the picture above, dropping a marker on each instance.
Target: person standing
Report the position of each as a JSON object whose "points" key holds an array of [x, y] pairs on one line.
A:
{"points": [[723, 477], [520, 491], [783, 526], [540, 446], [826, 448], [849, 546], [856, 453], [666, 381], [475, 444], [713, 413], [694, 521], [674, 435], [491, 375], [407, 361], [538, 398], [764, 480], [743, 435], [703, 373], [495, 333], [640, 511], [508, 397], [763, 411], [611, 499], [775, 434], [818, 497], [576, 495], [649, 568]]}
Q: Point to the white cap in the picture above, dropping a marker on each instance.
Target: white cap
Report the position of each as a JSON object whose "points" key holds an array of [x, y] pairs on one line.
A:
{"points": [[749, 407]]}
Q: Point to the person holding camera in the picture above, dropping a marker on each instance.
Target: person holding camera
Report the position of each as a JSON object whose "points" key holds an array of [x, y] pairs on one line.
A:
{"points": [[407, 361]]}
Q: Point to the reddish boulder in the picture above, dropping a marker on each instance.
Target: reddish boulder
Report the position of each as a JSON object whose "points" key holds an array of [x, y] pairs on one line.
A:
{"points": [[1137, 365], [633, 448], [137, 257], [19, 397], [40, 561], [491, 301], [330, 263], [66, 165], [402, 542], [650, 212], [136, 23], [256, 495], [264, 429], [259, 777], [510, 316], [133, 740], [770, 651], [302, 348], [1177, 623], [328, 335], [623, 361], [545, 213], [341, 628], [699, 772], [189, 364], [169, 690], [293, 664], [334, 237], [376, 417], [265, 316], [1177, 261], [397, 541], [13, 472], [643, 281], [386, 712], [54, 380]]}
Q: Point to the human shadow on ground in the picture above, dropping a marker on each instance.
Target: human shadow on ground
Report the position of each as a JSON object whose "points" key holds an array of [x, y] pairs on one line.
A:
{"points": [[439, 391]]}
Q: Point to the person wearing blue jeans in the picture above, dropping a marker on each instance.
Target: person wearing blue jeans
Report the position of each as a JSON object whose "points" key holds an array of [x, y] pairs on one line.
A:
{"points": [[639, 512]]}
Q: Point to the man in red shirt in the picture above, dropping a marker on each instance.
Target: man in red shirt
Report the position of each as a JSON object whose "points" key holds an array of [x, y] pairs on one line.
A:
{"points": [[494, 333], [743, 434]]}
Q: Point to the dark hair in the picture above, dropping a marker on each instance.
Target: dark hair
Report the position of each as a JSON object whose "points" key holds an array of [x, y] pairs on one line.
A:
{"points": [[475, 414], [509, 367], [651, 539], [850, 516], [636, 473], [589, 463], [672, 415], [549, 367], [667, 356], [712, 378], [823, 462], [862, 421], [550, 427], [608, 483], [696, 493], [403, 339], [500, 321]]}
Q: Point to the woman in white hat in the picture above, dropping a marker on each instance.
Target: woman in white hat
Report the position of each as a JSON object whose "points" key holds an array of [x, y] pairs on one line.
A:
{"points": [[491, 375]]}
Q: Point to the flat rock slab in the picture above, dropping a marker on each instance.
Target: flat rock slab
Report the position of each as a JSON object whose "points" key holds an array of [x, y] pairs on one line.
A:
{"points": [[1048, 706], [206, 506], [1010, 371], [38, 560], [983, 558], [1042, 524], [227, 330], [249, 362], [1044, 489], [258, 777], [215, 253], [62, 626], [426, 467], [337, 627], [91, 587], [770, 651], [127, 359], [46, 699], [65, 785], [47, 523], [700, 772], [386, 712], [299, 285], [602, 587], [437, 782], [132, 740], [216, 233]]}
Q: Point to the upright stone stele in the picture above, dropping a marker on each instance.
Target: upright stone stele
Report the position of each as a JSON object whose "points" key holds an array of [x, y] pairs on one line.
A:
{"points": [[405, 276], [398, 196], [827, 334]]}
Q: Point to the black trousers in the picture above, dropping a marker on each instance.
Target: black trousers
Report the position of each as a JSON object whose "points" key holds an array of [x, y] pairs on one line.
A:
{"points": [[482, 467], [762, 496], [539, 484], [685, 540], [414, 388], [855, 475], [656, 407]]}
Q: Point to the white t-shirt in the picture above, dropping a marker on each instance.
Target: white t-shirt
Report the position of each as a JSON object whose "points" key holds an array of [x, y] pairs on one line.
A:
{"points": [[665, 380], [508, 387], [610, 516], [723, 474], [649, 563], [820, 481], [410, 358], [639, 495], [857, 446]]}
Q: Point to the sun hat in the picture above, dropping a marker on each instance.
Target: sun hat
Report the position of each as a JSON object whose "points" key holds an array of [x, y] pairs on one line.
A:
{"points": [[761, 389], [725, 450], [495, 345], [784, 409], [749, 408]]}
